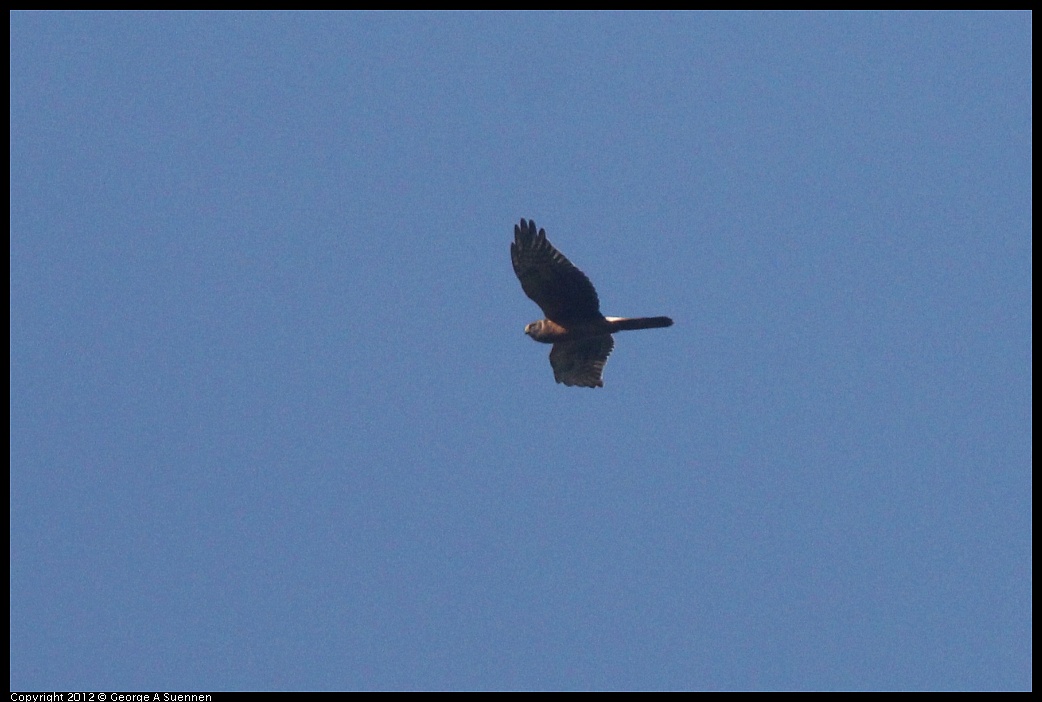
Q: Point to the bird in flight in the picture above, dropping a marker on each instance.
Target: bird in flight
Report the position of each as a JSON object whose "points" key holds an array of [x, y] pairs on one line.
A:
{"points": [[580, 334]]}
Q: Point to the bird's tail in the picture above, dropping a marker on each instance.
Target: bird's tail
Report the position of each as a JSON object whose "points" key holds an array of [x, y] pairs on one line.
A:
{"points": [[627, 323]]}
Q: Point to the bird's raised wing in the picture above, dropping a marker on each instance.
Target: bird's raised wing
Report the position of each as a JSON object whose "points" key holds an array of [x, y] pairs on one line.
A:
{"points": [[561, 290]]}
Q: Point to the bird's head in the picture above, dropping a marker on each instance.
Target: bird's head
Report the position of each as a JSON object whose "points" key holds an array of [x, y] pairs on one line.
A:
{"points": [[542, 331]]}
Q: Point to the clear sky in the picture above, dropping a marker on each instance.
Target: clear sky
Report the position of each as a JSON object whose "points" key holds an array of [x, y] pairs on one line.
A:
{"points": [[275, 424]]}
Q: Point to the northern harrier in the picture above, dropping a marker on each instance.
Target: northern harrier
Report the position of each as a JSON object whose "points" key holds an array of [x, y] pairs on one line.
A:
{"points": [[580, 334]]}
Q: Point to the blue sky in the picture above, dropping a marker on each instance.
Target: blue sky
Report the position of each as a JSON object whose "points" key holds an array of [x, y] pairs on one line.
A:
{"points": [[275, 425]]}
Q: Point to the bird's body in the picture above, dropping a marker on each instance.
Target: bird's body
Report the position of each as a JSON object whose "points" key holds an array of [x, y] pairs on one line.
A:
{"points": [[549, 332], [580, 334]]}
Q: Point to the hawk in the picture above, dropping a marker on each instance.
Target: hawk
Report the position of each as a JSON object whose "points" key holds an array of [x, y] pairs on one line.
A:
{"points": [[580, 334]]}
